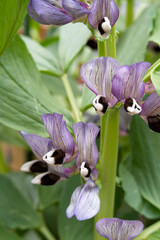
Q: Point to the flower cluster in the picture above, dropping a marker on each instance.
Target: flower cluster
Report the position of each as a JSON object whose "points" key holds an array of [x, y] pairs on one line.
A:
{"points": [[101, 14], [52, 154], [112, 84]]}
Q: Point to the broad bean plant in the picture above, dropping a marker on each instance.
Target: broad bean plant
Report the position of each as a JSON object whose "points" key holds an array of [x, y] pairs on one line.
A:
{"points": [[80, 91]]}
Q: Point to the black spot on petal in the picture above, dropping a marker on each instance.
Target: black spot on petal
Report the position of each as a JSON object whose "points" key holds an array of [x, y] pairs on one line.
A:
{"points": [[100, 27], [58, 156], [89, 170], [103, 101], [154, 123], [49, 179], [128, 103], [39, 167]]}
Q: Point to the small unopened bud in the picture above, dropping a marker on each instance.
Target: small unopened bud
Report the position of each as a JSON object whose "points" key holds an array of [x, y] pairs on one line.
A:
{"points": [[54, 157], [132, 107], [104, 27], [154, 123], [100, 104], [85, 170]]}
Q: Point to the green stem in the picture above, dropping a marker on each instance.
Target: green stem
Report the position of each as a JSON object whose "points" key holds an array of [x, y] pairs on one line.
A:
{"points": [[71, 98], [43, 229], [108, 148], [102, 49], [46, 233], [129, 14], [111, 43], [148, 231]]}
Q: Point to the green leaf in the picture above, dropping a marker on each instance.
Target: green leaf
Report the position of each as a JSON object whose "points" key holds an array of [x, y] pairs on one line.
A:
{"points": [[73, 38], [15, 210], [87, 98], [45, 61], [145, 160], [22, 181], [154, 236], [11, 136], [34, 194], [155, 76], [151, 70], [155, 36], [71, 229], [23, 96], [132, 44], [12, 13], [5, 234], [53, 194], [133, 195]]}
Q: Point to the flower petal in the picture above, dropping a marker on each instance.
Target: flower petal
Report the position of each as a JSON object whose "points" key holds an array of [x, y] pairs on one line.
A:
{"points": [[114, 228], [98, 74], [75, 8], [101, 9], [127, 82], [48, 13], [46, 178], [151, 106], [85, 135], [74, 198], [39, 145], [88, 203], [35, 166], [34, 15], [60, 136]]}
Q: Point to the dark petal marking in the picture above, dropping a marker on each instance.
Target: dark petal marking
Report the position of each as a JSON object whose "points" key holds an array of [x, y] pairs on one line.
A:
{"points": [[100, 27], [89, 170], [103, 101], [154, 123], [49, 179], [59, 156], [128, 103], [39, 167]]}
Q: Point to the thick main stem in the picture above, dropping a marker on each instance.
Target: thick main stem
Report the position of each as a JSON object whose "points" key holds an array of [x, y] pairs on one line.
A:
{"points": [[108, 148], [129, 13]]}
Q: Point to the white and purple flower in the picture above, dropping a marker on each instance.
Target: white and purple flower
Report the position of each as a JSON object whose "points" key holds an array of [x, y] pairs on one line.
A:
{"points": [[118, 229], [97, 75], [128, 86], [101, 14], [85, 202], [51, 152]]}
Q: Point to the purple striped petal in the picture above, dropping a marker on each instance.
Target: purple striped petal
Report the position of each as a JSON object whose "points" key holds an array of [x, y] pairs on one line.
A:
{"points": [[151, 106], [88, 203], [85, 202], [128, 81], [98, 74], [60, 136], [75, 8], [101, 9], [46, 13], [85, 135], [34, 15], [70, 210], [114, 228], [39, 145]]}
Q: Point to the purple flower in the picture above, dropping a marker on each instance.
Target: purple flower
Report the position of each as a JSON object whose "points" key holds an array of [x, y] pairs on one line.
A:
{"points": [[85, 201], [128, 86], [51, 152], [102, 14], [117, 229], [151, 112], [97, 75]]}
